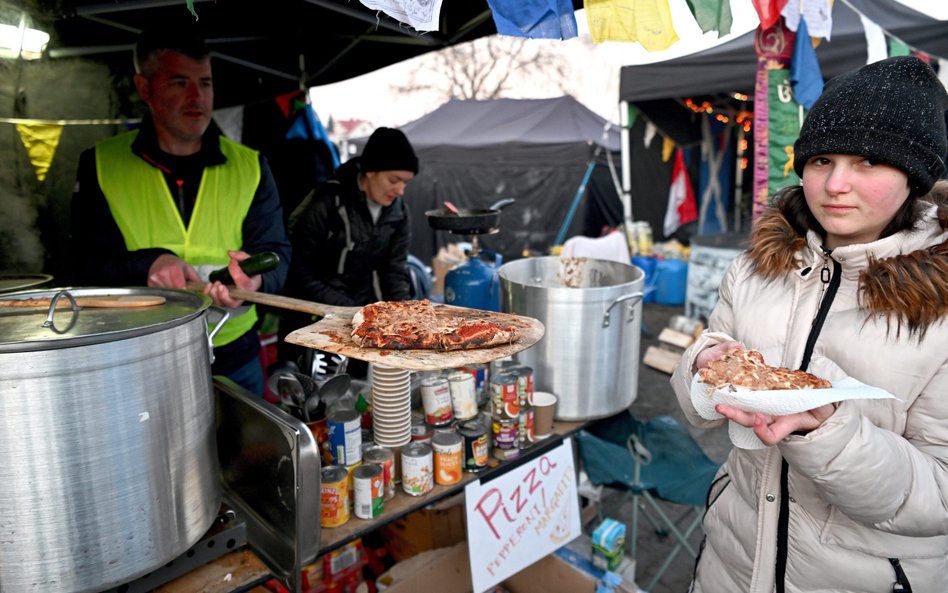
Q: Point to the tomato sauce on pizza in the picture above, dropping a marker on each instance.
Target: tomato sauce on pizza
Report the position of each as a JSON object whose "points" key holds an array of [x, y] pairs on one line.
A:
{"points": [[408, 325]]}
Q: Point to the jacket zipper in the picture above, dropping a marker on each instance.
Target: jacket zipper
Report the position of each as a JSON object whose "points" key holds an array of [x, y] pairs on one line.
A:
{"points": [[831, 283]]}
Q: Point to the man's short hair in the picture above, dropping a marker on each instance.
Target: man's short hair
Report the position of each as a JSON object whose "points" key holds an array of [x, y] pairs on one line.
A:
{"points": [[182, 39]]}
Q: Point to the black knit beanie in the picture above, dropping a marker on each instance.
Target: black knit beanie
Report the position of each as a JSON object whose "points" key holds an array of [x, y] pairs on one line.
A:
{"points": [[389, 150], [892, 111]]}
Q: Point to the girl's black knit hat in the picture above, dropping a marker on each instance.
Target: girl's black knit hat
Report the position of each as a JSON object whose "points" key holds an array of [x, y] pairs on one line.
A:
{"points": [[891, 111]]}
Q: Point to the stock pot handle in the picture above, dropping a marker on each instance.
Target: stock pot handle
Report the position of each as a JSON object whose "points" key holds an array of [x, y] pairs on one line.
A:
{"points": [[225, 315], [50, 323], [608, 314]]}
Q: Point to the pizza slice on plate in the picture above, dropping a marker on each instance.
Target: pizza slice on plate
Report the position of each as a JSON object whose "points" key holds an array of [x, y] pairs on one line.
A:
{"points": [[746, 368]]}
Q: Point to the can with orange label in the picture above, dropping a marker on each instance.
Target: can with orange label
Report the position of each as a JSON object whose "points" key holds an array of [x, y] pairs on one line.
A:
{"points": [[447, 448], [333, 496], [505, 402]]}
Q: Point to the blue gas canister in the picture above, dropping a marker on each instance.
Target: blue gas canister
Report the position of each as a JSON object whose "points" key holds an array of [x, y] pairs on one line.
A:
{"points": [[671, 282], [474, 284]]}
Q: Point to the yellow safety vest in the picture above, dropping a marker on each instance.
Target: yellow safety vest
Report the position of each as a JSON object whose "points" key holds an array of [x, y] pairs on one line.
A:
{"points": [[146, 215]]}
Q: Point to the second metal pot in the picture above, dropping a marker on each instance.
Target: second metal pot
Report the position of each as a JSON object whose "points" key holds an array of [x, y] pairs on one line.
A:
{"points": [[592, 310]]}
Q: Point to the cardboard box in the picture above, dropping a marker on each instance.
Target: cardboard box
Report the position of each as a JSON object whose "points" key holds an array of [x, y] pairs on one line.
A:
{"points": [[447, 257], [608, 544], [439, 525], [449, 571]]}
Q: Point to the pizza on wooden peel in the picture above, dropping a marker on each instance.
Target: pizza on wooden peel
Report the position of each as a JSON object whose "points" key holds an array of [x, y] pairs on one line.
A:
{"points": [[408, 325], [746, 368]]}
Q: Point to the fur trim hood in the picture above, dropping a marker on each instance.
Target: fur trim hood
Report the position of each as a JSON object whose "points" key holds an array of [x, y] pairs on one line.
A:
{"points": [[910, 289]]}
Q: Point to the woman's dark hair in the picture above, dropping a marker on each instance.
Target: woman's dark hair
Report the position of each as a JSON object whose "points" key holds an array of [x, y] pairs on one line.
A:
{"points": [[792, 203]]}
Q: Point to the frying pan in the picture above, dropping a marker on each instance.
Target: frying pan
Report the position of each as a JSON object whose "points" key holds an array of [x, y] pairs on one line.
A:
{"points": [[332, 333], [468, 221]]}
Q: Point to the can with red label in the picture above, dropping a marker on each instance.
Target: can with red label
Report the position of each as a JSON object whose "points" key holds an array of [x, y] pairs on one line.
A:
{"points": [[384, 458], [481, 374], [524, 376], [367, 483], [476, 445], [505, 404], [463, 390], [333, 496], [525, 434], [436, 399]]}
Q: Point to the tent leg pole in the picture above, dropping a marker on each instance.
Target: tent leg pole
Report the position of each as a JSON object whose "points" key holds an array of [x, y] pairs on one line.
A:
{"points": [[626, 195]]}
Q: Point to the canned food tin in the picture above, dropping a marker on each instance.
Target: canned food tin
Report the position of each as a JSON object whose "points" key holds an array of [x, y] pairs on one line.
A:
{"points": [[481, 374], [524, 376], [476, 447], [417, 469], [436, 399], [367, 482], [506, 454], [384, 458], [505, 404], [333, 496], [449, 427], [505, 434], [525, 432], [447, 447], [345, 436], [463, 388]]}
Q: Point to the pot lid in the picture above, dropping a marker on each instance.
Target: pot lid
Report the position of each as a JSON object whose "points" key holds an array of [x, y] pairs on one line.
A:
{"points": [[92, 320], [11, 282]]}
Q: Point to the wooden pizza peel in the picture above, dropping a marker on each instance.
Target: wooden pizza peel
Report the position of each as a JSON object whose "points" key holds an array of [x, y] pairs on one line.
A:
{"points": [[332, 333]]}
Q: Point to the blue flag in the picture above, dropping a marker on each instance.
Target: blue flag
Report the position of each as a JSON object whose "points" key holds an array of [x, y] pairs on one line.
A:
{"points": [[308, 127], [536, 19], [805, 74]]}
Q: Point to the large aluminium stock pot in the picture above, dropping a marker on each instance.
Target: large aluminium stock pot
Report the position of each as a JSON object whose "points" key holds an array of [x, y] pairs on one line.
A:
{"points": [[592, 310], [108, 461]]}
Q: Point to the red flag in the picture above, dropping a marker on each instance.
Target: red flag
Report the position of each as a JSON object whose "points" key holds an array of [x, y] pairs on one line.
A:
{"points": [[768, 11], [682, 206]]}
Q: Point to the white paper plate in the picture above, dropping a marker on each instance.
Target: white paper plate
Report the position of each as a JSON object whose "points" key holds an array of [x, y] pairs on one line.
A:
{"points": [[774, 403]]}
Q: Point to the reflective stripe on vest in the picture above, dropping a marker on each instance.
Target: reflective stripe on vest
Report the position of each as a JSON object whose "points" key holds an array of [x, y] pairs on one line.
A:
{"points": [[146, 215]]}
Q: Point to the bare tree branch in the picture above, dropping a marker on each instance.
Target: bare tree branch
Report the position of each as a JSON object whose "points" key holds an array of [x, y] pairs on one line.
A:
{"points": [[485, 69]]}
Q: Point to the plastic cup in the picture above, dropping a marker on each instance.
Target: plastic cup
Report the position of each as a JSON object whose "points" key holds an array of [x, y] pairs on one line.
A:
{"points": [[544, 408]]}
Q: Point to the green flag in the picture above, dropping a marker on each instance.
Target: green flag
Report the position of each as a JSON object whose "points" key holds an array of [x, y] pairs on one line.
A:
{"points": [[712, 15]]}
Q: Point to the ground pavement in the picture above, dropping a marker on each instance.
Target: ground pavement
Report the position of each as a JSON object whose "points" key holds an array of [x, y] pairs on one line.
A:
{"points": [[655, 398]]}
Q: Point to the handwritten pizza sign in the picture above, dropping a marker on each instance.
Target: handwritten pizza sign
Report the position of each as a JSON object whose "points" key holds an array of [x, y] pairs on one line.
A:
{"points": [[522, 516]]}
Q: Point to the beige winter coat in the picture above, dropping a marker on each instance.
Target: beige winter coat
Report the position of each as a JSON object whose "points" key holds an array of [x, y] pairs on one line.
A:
{"points": [[872, 482]]}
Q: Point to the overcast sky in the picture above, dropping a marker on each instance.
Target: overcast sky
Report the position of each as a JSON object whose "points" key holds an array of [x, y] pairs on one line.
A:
{"points": [[369, 97]]}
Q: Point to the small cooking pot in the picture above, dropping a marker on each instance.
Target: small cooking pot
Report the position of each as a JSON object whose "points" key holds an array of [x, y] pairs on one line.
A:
{"points": [[468, 221]]}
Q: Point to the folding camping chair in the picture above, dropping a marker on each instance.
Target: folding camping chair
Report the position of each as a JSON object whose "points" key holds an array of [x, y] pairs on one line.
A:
{"points": [[653, 460]]}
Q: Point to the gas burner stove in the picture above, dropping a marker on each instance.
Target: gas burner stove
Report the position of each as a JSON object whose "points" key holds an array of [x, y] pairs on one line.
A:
{"points": [[227, 534]]}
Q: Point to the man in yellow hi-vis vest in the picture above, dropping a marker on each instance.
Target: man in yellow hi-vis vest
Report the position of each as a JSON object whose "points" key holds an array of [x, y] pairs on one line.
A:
{"points": [[167, 203]]}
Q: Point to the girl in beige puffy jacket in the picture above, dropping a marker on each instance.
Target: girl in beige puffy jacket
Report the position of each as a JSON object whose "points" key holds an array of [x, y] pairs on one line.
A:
{"points": [[845, 276]]}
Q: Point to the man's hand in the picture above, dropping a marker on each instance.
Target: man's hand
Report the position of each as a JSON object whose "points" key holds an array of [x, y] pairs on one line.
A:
{"points": [[220, 294], [773, 429], [170, 271]]}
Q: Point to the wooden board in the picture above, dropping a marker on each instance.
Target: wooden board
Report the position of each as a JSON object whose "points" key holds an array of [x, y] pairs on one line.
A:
{"points": [[332, 334], [661, 359], [230, 572]]}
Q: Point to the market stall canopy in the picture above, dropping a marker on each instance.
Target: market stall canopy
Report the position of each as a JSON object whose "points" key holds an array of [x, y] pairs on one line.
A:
{"points": [[730, 67], [261, 49], [537, 151]]}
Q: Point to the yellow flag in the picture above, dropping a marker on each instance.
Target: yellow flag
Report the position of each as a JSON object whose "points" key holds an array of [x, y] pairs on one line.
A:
{"points": [[40, 141], [647, 21], [668, 147]]}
